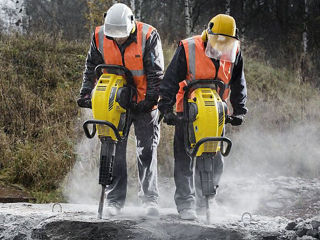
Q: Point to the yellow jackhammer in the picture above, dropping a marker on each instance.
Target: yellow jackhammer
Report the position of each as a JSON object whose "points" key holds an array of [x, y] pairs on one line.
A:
{"points": [[204, 117], [112, 108]]}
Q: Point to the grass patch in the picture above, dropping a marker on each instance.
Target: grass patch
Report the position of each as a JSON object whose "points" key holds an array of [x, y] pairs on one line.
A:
{"points": [[39, 82]]}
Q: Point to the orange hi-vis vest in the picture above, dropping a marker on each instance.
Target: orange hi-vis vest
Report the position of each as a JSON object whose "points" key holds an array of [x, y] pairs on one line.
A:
{"points": [[201, 67], [133, 55]]}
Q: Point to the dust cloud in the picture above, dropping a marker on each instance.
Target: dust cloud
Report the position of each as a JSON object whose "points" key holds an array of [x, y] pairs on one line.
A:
{"points": [[81, 184], [267, 168], [293, 152], [260, 156]]}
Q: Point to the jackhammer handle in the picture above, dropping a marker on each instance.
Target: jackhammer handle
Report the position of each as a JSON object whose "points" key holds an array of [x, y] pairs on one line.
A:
{"points": [[205, 83], [86, 130], [213, 139], [227, 151], [100, 122], [115, 69]]}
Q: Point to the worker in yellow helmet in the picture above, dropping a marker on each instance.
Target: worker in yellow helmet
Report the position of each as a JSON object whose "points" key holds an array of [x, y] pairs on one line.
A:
{"points": [[213, 55]]}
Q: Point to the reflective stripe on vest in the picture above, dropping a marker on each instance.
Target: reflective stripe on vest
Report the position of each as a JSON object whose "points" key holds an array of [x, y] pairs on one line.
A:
{"points": [[133, 55], [201, 67]]}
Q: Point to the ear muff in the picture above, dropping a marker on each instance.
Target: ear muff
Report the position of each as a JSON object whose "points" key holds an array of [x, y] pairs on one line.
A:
{"points": [[133, 29], [204, 36], [237, 33], [210, 26]]}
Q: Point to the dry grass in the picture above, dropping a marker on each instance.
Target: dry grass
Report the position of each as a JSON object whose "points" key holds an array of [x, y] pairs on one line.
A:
{"points": [[39, 82]]}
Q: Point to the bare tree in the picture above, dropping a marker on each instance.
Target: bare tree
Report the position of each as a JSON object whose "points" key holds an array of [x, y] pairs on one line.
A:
{"points": [[228, 7], [133, 5], [305, 30], [188, 15], [139, 10]]}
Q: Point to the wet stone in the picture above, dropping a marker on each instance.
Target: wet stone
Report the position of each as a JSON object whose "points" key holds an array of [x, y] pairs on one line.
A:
{"points": [[315, 224], [291, 226], [301, 232], [38, 234], [313, 233], [272, 236], [20, 236], [307, 238]]}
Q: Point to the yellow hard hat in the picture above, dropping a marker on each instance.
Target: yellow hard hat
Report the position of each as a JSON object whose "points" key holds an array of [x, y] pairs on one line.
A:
{"points": [[221, 37], [221, 24]]}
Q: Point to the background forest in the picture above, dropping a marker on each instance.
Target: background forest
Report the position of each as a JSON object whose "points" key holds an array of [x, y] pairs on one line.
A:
{"points": [[43, 46]]}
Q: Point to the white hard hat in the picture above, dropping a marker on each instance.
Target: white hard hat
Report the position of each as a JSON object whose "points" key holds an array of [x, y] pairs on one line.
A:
{"points": [[119, 21]]}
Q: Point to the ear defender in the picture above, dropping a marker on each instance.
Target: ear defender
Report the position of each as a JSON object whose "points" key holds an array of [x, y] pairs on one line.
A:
{"points": [[133, 29], [204, 36], [134, 25], [237, 33], [211, 25]]}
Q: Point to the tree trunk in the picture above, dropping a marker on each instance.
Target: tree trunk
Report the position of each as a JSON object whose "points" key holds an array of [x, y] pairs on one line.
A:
{"points": [[228, 7], [138, 10], [305, 30], [188, 20], [304, 43], [133, 6]]}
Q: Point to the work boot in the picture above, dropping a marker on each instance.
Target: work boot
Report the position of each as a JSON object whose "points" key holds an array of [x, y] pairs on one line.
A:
{"points": [[113, 210], [188, 214], [152, 209]]}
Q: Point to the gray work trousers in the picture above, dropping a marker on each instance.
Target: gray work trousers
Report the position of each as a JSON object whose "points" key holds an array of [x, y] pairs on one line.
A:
{"points": [[147, 132], [186, 176]]}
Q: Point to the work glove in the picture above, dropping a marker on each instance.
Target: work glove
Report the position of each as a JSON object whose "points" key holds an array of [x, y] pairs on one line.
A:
{"points": [[84, 101], [170, 118], [235, 120], [146, 105]]}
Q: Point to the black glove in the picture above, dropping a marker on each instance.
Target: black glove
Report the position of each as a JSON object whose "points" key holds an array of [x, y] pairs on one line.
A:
{"points": [[170, 118], [84, 102], [235, 120], [146, 105]]}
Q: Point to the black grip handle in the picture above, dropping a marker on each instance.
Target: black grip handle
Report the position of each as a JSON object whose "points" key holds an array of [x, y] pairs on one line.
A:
{"points": [[115, 69], [86, 129], [100, 122], [205, 83], [193, 152]]}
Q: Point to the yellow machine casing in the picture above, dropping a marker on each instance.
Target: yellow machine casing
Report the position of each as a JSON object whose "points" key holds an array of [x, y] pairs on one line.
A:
{"points": [[104, 104], [208, 119]]}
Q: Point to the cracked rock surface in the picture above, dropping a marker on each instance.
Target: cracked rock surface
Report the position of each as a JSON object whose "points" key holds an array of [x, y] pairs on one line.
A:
{"points": [[277, 208]]}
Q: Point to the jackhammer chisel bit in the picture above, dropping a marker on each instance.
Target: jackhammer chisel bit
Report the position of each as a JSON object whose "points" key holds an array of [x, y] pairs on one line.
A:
{"points": [[205, 165], [107, 154]]}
